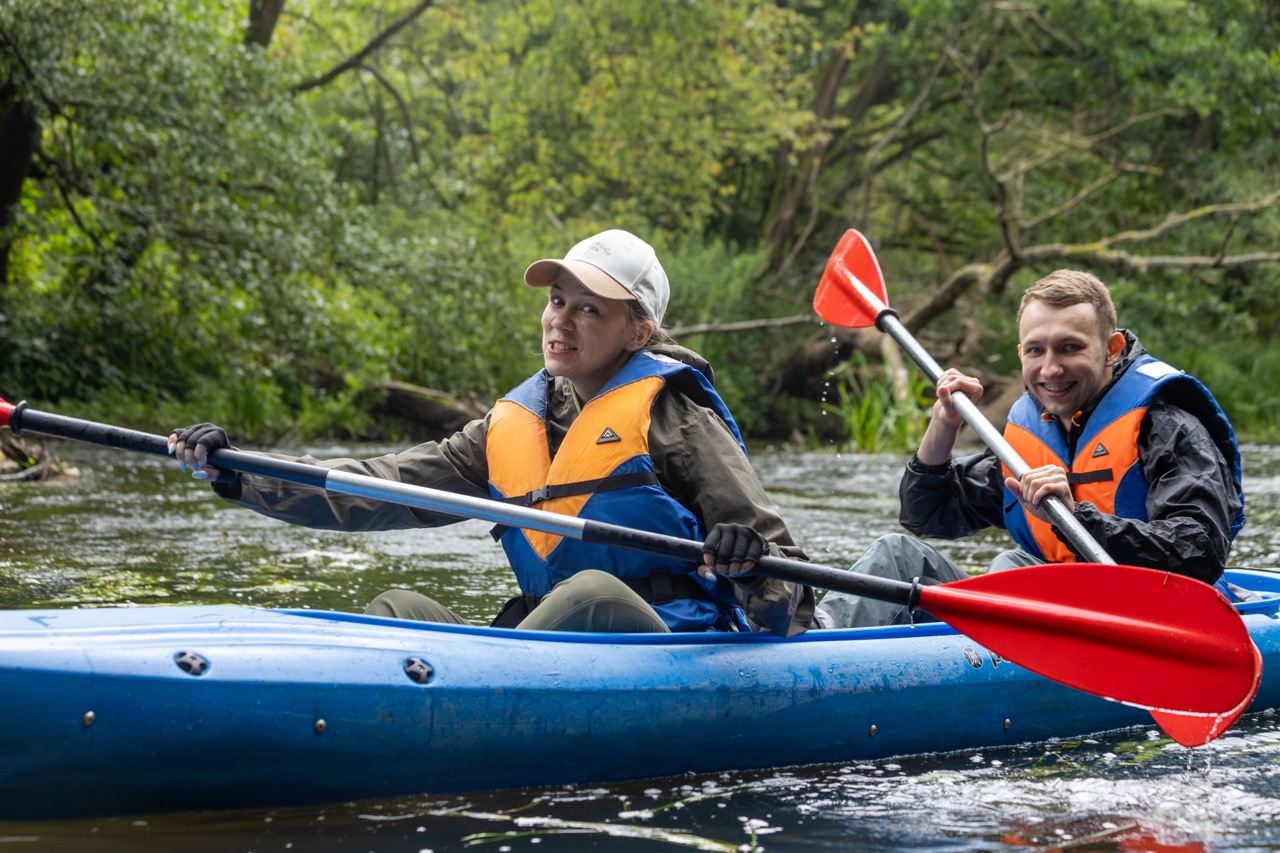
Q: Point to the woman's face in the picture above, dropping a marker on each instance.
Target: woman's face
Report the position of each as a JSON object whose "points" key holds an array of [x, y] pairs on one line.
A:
{"points": [[586, 338]]}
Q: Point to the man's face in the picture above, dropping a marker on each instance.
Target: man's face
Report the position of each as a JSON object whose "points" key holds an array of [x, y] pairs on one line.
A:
{"points": [[1066, 357]]}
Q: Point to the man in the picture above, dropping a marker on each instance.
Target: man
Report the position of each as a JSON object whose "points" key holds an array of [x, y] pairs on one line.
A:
{"points": [[1140, 453]]}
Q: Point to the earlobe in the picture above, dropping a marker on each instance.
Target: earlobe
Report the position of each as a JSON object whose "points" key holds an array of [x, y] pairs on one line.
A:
{"points": [[1115, 346]]}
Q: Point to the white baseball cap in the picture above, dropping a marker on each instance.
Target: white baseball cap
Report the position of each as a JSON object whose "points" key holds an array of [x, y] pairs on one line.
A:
{"points": [[613, 264]]}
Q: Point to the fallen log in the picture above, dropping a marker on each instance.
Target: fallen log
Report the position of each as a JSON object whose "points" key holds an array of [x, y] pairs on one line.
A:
{"points": [[441, 413], [21, 462]]}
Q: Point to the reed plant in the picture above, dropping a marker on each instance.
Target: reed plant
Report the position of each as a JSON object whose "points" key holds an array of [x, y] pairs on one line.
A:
{"points": [[874, 415]]}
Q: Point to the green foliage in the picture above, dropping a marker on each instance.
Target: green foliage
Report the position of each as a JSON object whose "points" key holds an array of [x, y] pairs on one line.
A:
{"points": [[598, 111], [1223, 335], [874, 416], [715, 282], [206, 228], [187, 239]]}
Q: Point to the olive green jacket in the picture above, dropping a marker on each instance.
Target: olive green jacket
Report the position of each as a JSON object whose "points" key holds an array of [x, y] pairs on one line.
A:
{"points": [[695, 456]]}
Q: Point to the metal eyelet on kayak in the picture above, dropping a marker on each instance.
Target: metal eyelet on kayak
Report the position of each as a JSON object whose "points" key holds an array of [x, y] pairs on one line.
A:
{"points": [[191, 663], [418, 670]]}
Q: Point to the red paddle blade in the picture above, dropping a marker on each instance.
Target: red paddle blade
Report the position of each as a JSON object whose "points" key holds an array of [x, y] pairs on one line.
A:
{"points": [[851, 292], [5, 411], [1144, 637], [1199, 729]]}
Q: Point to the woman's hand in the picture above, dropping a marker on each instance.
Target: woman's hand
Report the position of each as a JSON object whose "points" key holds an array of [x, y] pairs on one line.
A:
{"points": [[731, 550], [192, 446]]}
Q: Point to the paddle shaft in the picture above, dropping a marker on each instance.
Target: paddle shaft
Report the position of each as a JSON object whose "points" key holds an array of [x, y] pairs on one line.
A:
{"points": [[20, 418], [887, 321]]}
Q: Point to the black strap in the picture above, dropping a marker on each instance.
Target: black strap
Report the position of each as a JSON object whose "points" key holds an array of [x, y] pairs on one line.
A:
{"points": [[662, 587], [585, 487], [515, 610], [582, 487]]}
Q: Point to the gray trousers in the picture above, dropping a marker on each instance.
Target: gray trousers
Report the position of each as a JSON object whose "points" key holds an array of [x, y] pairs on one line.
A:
{"points": [[591, 600], [900, 557]]}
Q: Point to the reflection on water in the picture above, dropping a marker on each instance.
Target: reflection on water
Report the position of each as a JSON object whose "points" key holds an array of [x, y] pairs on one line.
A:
{"points": [[133, 530]]}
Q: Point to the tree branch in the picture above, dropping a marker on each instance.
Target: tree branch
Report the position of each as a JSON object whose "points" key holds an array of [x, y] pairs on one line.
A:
{"points": [[356, 59], [741, 325]]}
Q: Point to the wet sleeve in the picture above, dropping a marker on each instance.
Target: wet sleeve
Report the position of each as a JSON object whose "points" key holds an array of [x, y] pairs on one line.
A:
{"points": [[699, 463]]}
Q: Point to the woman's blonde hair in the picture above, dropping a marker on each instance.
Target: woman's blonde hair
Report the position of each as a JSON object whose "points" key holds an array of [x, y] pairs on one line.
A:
{"points": [[659, 335]]}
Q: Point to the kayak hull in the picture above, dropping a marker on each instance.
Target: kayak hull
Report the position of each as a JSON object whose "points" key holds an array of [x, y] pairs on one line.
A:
{"points": [[136, 710]]}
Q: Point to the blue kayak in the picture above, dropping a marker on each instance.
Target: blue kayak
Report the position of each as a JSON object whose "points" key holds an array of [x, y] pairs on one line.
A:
{"points": [[132, 710]]}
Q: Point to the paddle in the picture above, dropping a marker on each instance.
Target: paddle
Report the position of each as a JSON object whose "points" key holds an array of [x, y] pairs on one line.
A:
{"points": [[1169, 643], [852, 293]]}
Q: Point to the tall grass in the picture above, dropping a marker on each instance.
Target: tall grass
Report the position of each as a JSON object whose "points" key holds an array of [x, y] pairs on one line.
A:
{"points": [[872, 415]]}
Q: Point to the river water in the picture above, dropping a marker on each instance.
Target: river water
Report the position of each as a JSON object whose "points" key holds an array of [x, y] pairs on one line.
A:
{"points": [[131, 530]]}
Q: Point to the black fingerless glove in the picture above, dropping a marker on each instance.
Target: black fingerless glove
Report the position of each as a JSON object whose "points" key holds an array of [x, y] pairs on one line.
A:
{"points": [[735, 543], [227, 484]]}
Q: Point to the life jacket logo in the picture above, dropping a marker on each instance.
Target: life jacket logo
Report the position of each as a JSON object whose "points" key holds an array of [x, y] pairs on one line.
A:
{"points": [[1100, 451], [608, 436]]}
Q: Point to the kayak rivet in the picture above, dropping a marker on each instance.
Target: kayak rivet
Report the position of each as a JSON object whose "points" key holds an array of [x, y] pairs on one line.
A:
{"points": [[320, 726], [874, 729], [191, 663], [1008, 722], [418, 670], [88, 718]]}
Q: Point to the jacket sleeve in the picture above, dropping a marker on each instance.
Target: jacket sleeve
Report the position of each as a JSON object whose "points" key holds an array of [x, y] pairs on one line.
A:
{"points": [[1190, 505], [952, 500], [699, 463], [456, 464]]}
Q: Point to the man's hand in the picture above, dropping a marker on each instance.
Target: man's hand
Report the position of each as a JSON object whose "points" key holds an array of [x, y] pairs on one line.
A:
{"points": [[1038, 484]]}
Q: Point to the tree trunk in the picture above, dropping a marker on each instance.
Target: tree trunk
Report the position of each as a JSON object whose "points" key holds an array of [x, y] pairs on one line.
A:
{"points": [[19, 138], [263, 16]]}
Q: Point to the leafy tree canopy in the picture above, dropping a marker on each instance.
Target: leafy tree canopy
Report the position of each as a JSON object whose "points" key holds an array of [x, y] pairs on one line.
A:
{"points": [[263, 209]]}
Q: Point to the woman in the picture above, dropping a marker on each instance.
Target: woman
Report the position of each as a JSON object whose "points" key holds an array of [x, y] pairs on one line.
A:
{"points": [[620, 426]]}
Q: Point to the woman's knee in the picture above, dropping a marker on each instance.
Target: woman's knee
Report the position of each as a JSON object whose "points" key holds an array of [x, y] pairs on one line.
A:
{"points": [[407, 604], [596, 601]]}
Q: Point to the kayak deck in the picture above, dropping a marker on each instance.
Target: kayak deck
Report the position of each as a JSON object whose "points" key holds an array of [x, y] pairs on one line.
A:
{"points": [[134, 710]]}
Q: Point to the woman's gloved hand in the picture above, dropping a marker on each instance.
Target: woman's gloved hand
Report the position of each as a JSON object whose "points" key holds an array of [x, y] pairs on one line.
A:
{"points": [[732, 550], [191, 447]]}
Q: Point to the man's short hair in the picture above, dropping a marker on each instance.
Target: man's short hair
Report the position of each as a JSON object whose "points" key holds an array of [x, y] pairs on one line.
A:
{"points": [[1063, 288]]}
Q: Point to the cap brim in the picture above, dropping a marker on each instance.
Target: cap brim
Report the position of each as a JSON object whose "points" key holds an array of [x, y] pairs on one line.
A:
{"points": [[547, 272]]}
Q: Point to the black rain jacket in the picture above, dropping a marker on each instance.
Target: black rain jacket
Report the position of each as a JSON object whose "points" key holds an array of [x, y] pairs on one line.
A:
{"points": [[1192, 501]]}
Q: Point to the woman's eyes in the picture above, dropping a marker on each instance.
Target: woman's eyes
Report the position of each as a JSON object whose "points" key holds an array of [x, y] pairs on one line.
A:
{"points": [[587, 308]]}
